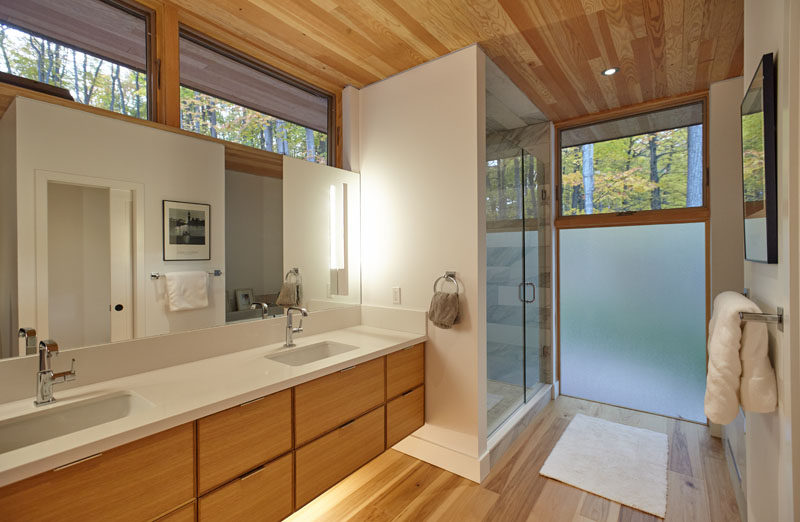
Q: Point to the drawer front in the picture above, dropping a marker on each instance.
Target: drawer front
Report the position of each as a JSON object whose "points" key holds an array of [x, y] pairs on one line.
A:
{"points": [[404, 415], [264, 495], [405, 369], [238, 439], [184, 514], [329, 459], [141, 480], [330, 401]]}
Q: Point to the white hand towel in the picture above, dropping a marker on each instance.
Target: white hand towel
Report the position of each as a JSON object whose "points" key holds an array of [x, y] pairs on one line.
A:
{"points": [[738, 363], [187, 290]]}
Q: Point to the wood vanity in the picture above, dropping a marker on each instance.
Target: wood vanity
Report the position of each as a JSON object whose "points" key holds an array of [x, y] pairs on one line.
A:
{"points": [[260, 460]]}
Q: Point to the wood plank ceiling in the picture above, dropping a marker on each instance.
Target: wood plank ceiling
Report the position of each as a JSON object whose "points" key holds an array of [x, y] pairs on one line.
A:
{"points": [[554, 50]]}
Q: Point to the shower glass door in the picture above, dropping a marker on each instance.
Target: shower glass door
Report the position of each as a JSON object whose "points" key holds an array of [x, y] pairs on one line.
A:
{"points": [[512, 277]]}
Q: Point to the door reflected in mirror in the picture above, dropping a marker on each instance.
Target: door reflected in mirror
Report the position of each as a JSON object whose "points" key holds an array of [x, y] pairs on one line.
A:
{"points": [[89, 264], [88, 234]]}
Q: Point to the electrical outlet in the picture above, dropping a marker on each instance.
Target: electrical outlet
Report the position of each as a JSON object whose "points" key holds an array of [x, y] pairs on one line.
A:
{"points": [[396, 295]]}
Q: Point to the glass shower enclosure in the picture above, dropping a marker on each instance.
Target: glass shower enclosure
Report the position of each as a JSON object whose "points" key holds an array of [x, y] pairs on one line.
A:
{"points": [[517, 272]]}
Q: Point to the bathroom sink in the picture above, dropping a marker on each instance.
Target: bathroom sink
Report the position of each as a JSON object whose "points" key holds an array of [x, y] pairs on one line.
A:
{"points": [[58, 420], [311, 353]]}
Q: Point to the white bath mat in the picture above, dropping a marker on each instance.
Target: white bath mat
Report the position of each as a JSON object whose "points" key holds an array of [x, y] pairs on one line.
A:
{"points": [[621, 463]]}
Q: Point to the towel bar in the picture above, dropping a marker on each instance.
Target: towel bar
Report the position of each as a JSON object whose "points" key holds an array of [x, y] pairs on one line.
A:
{"points": [[215, 273], [776, 318], [448, 276]]}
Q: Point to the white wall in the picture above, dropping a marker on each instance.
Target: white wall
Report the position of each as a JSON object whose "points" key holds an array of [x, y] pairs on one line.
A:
{"points": [[773, 440], [170, 166], [253, 233], [306, 229], [351, 125], [9, 324], [727, 244], [422, 150], [79, 278], [725, 166]]}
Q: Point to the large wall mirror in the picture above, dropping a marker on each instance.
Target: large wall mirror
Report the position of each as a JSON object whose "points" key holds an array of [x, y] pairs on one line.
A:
{"points": [[96, 213]]}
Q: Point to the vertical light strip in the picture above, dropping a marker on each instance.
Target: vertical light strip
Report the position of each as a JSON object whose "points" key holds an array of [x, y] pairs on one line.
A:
{"points": [[333, 224]]}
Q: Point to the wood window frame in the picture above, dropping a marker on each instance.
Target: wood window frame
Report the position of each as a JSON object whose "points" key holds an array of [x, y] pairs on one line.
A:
{"points": [[672, 215], [146, 12], [164, 21], [700, 214], [199, 38]]}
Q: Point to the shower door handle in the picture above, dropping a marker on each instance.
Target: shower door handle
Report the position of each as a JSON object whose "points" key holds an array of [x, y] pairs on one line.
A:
{"points": [[533, 298], [523, 293]]}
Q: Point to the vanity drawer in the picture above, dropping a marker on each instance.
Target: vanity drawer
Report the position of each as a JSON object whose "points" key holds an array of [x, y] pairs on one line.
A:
{"points": [[138, 481], [329, 459], [264, 495], [238, 439], [405, 369], [330, 401], [404, 415], [184, 514]]}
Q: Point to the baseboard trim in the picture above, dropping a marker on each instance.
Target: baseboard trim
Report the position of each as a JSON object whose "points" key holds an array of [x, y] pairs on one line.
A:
{"points": [[453, 461], [477, 468]]}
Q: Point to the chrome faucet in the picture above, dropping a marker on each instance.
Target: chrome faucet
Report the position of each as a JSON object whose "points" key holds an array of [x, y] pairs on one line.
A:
{"points": [[45, 378], [29, 334], [289, 330], [260, 305]]}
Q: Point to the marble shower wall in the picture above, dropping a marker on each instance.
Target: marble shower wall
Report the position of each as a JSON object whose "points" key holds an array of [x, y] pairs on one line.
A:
{"points": [[504, 255]]}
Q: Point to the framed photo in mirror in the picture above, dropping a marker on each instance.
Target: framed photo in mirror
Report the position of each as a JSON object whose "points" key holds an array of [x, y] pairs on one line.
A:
{"points": [[759, 165], [186, 231], [244, 298]]}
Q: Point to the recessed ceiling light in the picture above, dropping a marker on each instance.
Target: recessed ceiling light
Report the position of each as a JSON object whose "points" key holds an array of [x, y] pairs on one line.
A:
{"points": [[611, 71]]}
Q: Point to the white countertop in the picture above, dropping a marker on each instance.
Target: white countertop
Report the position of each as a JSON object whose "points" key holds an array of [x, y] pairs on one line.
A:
{"points": [[186, 392]]}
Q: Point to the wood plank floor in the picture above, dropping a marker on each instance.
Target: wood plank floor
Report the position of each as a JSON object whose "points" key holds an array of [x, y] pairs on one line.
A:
{"points": [[395, 486]]}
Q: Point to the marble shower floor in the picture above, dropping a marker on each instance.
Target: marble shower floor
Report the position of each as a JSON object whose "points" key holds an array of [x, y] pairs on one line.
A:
{"points": [[503, 399]]}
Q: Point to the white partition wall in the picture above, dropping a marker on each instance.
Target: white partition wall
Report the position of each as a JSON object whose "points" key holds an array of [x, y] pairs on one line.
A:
{"points": [[422, 159]]}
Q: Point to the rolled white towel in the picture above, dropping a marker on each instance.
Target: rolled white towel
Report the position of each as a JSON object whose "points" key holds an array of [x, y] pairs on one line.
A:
{"points": [[187, 290], [739, 370]]}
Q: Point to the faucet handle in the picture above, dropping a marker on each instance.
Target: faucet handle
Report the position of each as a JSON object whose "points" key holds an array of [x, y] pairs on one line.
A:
{"points": [[68, 375], [299, 326]]}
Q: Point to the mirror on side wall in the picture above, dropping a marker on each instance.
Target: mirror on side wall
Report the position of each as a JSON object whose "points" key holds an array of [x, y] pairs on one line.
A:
{"points": [[83, 237], [253, 245], [322, 231]]}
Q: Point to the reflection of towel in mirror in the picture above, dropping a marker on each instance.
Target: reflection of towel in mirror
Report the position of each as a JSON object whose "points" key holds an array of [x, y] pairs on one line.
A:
{"points": [[187, 290], [444, 309], [290, 294]]}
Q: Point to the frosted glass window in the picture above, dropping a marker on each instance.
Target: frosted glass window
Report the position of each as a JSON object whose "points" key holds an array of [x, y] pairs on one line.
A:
{"points": [[632, 304]]}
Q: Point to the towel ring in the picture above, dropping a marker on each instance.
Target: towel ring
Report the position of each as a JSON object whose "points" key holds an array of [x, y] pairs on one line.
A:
{"points": [[448, 276], [294, 271]]}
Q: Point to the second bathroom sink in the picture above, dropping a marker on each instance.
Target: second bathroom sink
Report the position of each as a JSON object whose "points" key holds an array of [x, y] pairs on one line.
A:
{"points": [[311, 353]]}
